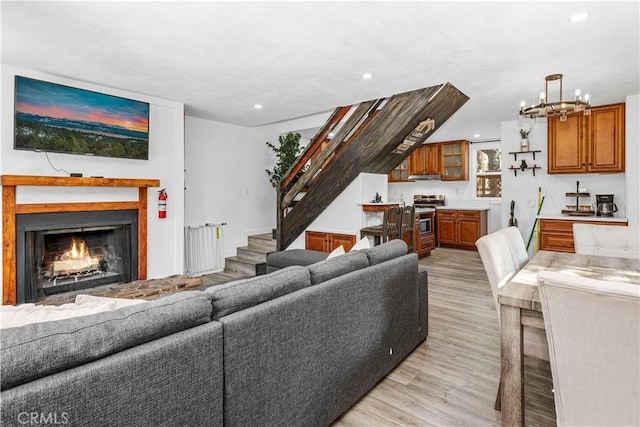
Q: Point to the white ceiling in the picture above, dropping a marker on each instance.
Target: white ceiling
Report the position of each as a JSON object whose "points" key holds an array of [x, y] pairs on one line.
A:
{"points": [[302, 58]]}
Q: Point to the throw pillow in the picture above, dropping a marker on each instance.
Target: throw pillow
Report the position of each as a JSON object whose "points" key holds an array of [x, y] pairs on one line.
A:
{"points": [[362, 244], [119, 302], [24, 314], [336, 252]]}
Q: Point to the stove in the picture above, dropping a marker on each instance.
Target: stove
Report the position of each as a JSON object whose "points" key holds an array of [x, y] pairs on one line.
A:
{"points": [[428, 201]]}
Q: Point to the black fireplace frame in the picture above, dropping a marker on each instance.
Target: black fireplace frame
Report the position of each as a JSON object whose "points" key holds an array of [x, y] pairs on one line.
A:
{"points": [[33, 222]]}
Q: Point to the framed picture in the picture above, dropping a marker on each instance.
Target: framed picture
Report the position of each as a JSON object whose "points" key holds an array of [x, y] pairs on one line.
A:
{"points": [[52, 117]]}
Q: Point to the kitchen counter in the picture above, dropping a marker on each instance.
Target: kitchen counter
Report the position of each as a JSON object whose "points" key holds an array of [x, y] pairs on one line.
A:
{"points": [[463, 208], [377, 207], [583, 218]]}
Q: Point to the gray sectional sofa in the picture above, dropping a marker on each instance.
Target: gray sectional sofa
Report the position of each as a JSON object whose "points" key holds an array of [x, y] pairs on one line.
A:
{"points": [[295, 347]]}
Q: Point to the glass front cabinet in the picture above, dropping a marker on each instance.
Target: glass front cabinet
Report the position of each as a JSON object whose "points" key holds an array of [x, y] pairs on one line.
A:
{"points": [[454, 160]]}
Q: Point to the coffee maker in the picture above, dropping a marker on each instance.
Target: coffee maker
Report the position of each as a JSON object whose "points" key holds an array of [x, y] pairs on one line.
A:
{"points": [[605, 205]]}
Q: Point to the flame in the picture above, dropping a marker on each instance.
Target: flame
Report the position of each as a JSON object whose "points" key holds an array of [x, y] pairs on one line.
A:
{"points": [[76, 251]]}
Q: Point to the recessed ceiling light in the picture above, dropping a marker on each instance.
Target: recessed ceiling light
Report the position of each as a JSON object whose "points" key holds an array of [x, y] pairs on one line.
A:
{"points": [[367, 76], [257, 106], [579, 17], [476, 135]]}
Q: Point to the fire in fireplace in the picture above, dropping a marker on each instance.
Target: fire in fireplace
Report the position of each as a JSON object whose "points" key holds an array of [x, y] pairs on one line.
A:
{"points": [[69, 251]]}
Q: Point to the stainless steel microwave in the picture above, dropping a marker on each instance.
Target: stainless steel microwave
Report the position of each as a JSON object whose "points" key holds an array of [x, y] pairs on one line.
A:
{"points": [[426, 225]]}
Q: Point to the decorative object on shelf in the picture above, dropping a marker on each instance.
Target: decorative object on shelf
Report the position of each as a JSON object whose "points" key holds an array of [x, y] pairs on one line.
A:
{"points": [[523, 165], [578, 209], [556, 109], [524, 138]]}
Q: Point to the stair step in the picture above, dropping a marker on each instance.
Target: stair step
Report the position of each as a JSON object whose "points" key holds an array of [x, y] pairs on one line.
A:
{"points": [[244, 265], [262, 242], [256, 254]]}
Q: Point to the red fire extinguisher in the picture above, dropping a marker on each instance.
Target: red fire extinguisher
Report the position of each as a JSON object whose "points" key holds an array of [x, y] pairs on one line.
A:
{"points": [[162, 203]]}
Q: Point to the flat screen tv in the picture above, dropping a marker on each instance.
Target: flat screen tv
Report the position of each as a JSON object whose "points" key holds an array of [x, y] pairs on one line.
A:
{"points": [[52, 117]]}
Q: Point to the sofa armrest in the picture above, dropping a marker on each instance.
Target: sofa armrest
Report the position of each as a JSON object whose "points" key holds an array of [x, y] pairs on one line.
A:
{"points": [[423, 303]]}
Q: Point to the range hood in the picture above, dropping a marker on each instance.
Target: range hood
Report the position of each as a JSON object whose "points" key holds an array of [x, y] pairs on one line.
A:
{"points": [[433, 177]]}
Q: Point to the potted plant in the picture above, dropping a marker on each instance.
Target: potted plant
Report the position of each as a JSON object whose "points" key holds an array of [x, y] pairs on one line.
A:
{"points": [[286, 154], [524, 138]]}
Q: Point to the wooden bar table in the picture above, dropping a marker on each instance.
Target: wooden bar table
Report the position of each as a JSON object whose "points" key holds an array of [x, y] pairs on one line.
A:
{"points": [[520, 305]]}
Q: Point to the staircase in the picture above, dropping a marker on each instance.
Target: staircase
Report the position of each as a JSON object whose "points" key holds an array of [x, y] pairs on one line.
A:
{"points": [[252, 259], [373, 136]]}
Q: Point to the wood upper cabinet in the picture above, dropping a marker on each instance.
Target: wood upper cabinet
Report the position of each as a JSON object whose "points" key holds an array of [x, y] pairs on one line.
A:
{"points": [[425, 160], [400, 173], [327, 242], [557, 234], [587, 144], [454, 165], [460, 228]]}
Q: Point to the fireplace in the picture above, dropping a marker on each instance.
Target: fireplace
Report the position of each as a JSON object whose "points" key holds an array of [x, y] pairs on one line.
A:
{"points": [[68, 251], [105, 224]]}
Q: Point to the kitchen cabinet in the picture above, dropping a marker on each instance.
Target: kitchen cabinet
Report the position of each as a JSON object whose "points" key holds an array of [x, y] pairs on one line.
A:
{"points": [[587, 144], [400, 173], [327, 242], [423, 244], [557, 234], [425, 160], [460, 228], [454, 165]]}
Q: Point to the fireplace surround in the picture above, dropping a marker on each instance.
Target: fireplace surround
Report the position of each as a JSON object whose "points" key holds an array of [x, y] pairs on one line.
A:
{"points": [[67, 251], [11, 210]]}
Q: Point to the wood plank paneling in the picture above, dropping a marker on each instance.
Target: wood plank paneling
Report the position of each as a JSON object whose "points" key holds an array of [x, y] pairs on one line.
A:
{"points": [[452, 378]]}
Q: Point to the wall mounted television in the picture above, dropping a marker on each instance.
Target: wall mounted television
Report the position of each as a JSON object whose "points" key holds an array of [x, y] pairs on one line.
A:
{"points": [[51, 117]]}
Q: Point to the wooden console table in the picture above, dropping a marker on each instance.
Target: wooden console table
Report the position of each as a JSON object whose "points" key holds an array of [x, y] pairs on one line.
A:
{"points": [[10, 209]]}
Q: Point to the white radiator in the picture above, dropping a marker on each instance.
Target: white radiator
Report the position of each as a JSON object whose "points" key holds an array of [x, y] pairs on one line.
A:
{"points": [[204, 249]]}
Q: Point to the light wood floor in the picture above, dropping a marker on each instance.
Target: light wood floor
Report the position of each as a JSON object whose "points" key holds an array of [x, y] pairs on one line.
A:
{"points": [[452, 378]]}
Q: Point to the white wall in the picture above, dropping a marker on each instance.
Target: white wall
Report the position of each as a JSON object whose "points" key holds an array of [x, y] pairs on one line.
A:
{"points": [[225, 179], [166, 158]]}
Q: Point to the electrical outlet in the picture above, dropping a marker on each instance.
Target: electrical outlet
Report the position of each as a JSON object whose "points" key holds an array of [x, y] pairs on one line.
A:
{"points": [[531, 203]]}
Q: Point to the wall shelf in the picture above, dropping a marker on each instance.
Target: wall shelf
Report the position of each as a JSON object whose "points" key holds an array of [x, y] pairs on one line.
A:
{"points": [[533, 152], [533, 168]]}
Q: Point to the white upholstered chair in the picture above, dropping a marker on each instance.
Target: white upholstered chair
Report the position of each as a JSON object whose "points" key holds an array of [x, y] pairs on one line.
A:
{"points": [[606, 240], [593, 330], [503, 254]]}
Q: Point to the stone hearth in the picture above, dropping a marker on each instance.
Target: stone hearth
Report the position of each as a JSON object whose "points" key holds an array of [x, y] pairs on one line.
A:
{"points": [[139, 289]]}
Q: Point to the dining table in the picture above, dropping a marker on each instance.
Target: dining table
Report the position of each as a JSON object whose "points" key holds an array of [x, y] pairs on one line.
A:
{"points": [[520, 306]]}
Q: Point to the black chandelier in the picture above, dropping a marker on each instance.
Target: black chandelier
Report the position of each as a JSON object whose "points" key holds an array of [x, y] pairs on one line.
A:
{"points": [[555, 109]]}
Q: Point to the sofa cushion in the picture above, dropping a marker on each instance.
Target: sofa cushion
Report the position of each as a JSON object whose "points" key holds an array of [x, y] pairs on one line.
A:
{"points": [[336, 252], [241, 294], [39, 349], [386, 251], [337, 266], [282, 259]]}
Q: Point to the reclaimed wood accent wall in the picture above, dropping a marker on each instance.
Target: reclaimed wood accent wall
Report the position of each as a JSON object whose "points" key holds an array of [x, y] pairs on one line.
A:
{"points": [[370, 149], [10, 209]]}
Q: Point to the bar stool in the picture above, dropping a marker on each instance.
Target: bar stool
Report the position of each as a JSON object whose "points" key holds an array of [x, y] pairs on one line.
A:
{"points": [[389, 229], [407, 226]]}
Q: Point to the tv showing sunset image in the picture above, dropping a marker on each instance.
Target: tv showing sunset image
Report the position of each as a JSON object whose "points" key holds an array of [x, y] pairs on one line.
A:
{"points": [[55, 118]]}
